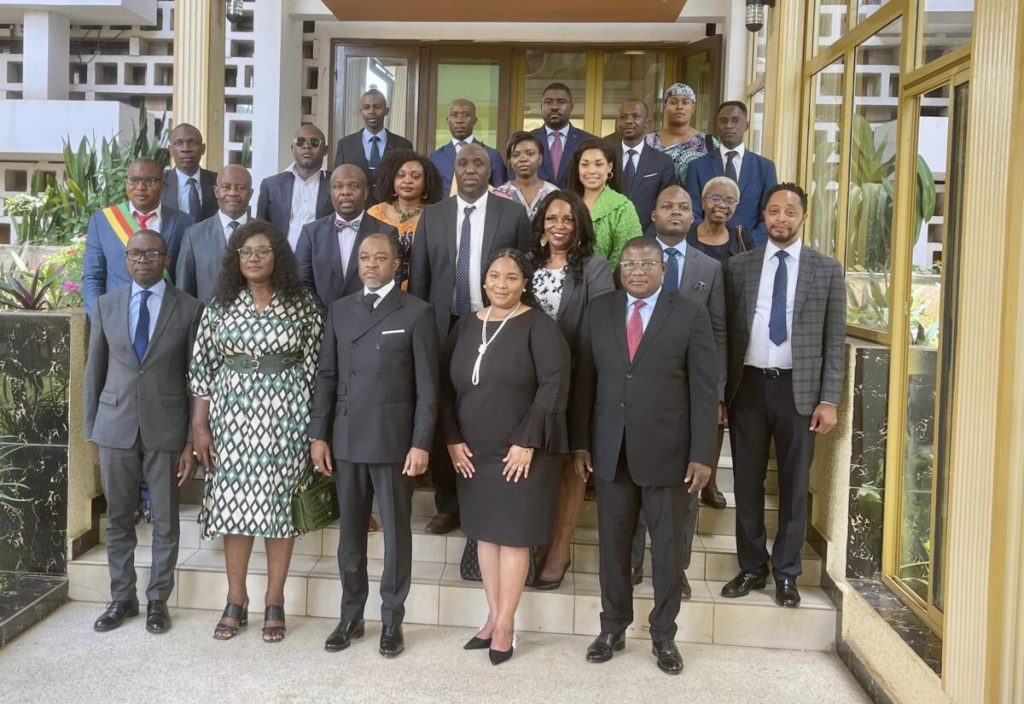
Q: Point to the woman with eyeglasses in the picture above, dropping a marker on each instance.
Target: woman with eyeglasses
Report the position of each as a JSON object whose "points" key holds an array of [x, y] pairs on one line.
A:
{"points": [[525, 152], [678, 138], [719, 199], [252, 373]]}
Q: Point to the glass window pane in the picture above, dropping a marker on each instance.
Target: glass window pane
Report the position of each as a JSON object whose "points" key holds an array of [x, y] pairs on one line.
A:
{"points": [[476, 80], [827, 116], [757, 121], [759, 54], [545, 67], [947, 25], [697, 73], [872, 167], [389, 75], [631, 74], [831, 20], [866, 8]]}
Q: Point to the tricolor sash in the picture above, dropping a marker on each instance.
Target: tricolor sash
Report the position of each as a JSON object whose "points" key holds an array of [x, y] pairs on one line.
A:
{"points": [[122, 221]]}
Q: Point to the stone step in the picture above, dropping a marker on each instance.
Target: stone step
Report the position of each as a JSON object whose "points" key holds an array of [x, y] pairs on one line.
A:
{"points": [[439, 596]]}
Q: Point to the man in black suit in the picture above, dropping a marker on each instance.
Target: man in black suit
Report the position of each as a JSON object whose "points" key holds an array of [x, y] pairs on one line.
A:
{"points": [[644, 172], [301, 193], [187, 187], [643, 414], [558, 135], [369, 145], [326, 252], [376, 399], [453, 241]]}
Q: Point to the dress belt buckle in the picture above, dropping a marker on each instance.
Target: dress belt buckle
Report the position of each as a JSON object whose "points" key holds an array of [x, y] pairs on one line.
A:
{"points": [[772, 372], [251, 364]]}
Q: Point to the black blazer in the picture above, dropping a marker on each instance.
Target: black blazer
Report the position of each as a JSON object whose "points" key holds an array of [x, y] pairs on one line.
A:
{"points": [[318, 258], [207, 180], [546, 171], [597, 281], [376, 389], [663, 404], [275, 200], [655, 171], [435, 245], [350, 151]]}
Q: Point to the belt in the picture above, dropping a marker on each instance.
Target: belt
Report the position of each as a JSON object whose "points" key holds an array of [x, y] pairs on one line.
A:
{"points": [[267, 364], [772, 372]]}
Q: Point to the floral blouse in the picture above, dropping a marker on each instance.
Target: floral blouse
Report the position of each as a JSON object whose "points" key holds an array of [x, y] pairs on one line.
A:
{"points": [[683, 153]]}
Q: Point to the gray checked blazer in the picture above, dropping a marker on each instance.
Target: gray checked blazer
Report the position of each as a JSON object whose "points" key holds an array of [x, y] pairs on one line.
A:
{"points": [[819, 325]]}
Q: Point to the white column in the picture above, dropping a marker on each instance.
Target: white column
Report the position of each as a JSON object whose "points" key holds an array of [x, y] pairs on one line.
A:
{"points": [[46, 51], [277, 83], [736, 38]]}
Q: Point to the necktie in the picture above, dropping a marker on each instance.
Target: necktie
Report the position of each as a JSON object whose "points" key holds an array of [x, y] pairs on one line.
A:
{"points": [[462, 303], [143, 219], [459, 145], [730, 166], [777, 322], [556, 154], [141, 340], [634, 329], [193, 199], [629, 173], [374, 152], [370, 300], [672, 270]]}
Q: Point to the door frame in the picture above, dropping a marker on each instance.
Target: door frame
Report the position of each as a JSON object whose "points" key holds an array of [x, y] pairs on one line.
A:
{"points": [[713, 45]]}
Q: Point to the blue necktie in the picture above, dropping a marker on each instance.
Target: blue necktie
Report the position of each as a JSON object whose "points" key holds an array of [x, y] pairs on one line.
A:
{"points": [[374, 152], [141, 340], [672, 270], [462, 303], [777, 322], [629, 173]]}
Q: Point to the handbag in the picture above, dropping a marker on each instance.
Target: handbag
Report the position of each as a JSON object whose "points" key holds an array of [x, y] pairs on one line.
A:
{"points": [[469, 566], [315, 506]]}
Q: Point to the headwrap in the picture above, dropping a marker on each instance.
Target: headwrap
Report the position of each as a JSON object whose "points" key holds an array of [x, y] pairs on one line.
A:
{"points": [[681, 89]]}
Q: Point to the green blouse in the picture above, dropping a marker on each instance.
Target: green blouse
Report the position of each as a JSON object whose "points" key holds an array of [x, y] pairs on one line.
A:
{"points": [[615, 223]]}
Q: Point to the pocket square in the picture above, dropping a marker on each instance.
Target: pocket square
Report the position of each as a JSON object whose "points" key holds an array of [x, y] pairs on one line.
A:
{"points": [[392, 332], [700, 286], [650, 175]]}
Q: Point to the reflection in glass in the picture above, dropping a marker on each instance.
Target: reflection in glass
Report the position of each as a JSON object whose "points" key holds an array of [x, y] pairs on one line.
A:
{"points": [[631, 74], [389, 75], [476, 80], [545, 67], [947, 25], [827, 115], [831, 20], [759, 54], [757, 121], [697, 73], [866, 8]]}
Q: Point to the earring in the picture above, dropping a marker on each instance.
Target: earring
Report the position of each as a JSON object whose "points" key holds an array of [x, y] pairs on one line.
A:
{"points": [[609, 176], [543, 241]]}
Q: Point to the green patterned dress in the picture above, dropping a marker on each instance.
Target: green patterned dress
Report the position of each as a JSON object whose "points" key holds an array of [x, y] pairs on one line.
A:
{"points": [[258, 421]]}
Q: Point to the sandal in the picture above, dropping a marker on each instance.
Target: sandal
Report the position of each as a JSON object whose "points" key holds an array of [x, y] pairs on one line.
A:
{"points": [[238, 612], [273, 634]]}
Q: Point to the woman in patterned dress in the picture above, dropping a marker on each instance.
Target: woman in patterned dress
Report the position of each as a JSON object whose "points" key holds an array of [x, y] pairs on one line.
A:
{"points": [[406, 183], [567, 277], [678, 138], [524, 153], [252, 375]]}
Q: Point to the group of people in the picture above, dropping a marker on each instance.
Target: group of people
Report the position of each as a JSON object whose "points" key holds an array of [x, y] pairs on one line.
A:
{"points": [[598, 317]]}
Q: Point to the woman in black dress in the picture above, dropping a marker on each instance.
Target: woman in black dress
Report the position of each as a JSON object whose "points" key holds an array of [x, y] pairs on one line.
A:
{"points": [[719, 199], [505, 381]]}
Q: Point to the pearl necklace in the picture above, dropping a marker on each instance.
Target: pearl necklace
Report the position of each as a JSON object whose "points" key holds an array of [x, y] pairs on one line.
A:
{"points": [[484, 342]]}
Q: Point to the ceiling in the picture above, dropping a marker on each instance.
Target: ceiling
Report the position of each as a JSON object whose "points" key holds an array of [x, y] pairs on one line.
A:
{"points": [[496, 11]]}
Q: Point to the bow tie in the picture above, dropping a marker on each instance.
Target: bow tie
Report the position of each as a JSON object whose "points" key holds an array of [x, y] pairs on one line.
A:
{"points": [[340, 224]]}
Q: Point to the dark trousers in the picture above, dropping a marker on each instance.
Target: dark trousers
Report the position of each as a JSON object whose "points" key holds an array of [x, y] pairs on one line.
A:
{"points": [[636, 557], [619, 503], [122, 472], [763, 410], [357, 485]]}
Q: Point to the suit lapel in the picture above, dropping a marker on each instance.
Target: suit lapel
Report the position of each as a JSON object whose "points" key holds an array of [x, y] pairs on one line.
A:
{"points": [[690, 276], [752, 282], [389, 145], [287, 184], [122, 320], [166, 310], [662, 309], [360, 156], [492, 214], [618, 323], [747, 168], [717, 165], [804, 280], [323, 196], [169, 197], [332, 247], [569, 289], [449, 213], [366, 227], [368, 320]]}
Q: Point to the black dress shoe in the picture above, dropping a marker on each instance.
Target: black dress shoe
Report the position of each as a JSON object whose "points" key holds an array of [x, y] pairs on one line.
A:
{"points": [[741, 584], [443, 523], [391, 641], [669, 659], [604, 646], [687, 590], [786, 593], [713, 498], [158, 620], [476, 643], [116, 613], [342, 636], [637, 575]]}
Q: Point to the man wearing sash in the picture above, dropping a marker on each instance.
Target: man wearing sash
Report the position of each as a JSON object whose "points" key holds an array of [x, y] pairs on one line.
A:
{"points": [[110, 229]]}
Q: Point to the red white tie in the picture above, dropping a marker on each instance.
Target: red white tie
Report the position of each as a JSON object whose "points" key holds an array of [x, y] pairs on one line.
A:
{"points": [[144, 219], [634, 329]]}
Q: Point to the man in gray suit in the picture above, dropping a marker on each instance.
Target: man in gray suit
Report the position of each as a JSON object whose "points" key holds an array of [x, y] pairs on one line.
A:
{"points": [[787, 326], [453, 241], [137, 412], [372, 425], [694, 275], [202, 247]]}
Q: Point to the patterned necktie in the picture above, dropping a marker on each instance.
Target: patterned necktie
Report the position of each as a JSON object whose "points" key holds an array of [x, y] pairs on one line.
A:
{"points": [[143, 219], [346, 240], [634, 329], [730, 166], [141, 340], [629, 173], [777, 322], [672, 270], [462, 301], [374, 152], [193, 199], [370, 300], [556, 154]]}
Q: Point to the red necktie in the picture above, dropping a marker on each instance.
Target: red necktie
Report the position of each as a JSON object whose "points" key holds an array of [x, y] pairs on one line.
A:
{"points": [[144, 219], [634, 329]]}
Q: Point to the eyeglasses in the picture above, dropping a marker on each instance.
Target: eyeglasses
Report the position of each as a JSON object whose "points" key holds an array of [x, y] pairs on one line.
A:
{"points": [[721, 200], [645, 264], [314, 142], [150, 255], [147, 181], [255, 252]]}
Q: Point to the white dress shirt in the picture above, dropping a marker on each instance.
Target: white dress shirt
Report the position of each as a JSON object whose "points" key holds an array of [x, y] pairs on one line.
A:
{"points": [[476, 246], [304, 196], [154, 223], [153, 304], [761, 351], [226, 220], [645, 311], [468, 140], [347, 238], [383, 291], [681, 248], [737, 160], [183, 189], [636, 159]]}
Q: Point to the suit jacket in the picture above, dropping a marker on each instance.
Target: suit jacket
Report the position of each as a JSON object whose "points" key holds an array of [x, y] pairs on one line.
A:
{"points": [[547, 169], [704, 283], [597, 281], [103, 266], [350, 151], [435, 245], [376, 390], [655, 171], [819, 325], [275, 200], [124, 397], [318, 257], [444, 160], [199, 261], [757, 175], [663, 404], [208, 201]]}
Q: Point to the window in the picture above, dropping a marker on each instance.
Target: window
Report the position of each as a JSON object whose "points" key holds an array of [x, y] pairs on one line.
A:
{"points": [[631, 74], [546, 67], [823, 191], [946, 26]]}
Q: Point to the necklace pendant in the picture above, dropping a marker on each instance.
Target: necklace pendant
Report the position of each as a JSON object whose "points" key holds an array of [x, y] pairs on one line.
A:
{"points": [[482, 348]]}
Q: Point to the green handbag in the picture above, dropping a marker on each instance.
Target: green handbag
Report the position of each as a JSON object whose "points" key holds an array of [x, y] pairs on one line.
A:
{"points": [[316, 505]]}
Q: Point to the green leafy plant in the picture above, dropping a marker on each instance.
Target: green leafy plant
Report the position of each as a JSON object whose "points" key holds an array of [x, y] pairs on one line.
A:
{"points": [[22, 288]]}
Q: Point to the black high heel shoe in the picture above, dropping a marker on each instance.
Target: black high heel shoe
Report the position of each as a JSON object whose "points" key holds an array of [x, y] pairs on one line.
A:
{"points": [[238, 612], [476, 643], [499, 656], [552, 584]]}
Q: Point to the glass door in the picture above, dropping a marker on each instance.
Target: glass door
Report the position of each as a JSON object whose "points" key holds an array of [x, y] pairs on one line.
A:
{"points": [[700, 67]]}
